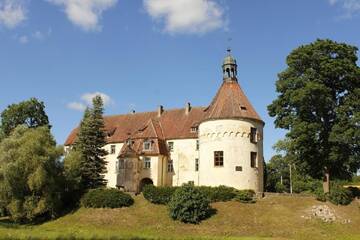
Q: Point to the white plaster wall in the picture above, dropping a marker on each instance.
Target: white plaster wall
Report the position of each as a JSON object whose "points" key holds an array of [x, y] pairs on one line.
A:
{"points": [[232, 137], [111, 159], [183, 156]]}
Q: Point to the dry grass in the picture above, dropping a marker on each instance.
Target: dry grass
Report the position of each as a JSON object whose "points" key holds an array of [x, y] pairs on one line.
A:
{"points": [[274, 217]]}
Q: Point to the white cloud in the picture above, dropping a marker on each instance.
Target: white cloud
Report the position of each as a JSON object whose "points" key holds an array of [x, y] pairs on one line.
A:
{"points": [[12, 12], [187, 16], [88, 97], [85, 13], [76, 106], [351, 7], [23, 39], [86, 100]]}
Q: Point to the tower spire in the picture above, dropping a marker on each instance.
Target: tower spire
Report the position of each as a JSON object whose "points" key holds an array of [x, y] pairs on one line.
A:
{"points": [[229, 67]]}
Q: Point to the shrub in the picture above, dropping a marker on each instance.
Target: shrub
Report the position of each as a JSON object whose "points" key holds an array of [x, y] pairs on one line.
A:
{"points": [[320, 195], [340, 195], [355, 192], [189, 205], [158, 195], [245, 196], [218, 194], [106, 198], [280, 188]]}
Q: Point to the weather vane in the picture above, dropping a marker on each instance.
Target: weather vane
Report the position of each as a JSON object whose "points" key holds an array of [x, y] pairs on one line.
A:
{"points": [[229, 43]]}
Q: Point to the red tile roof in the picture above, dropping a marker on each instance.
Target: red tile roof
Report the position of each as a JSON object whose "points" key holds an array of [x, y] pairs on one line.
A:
{"points": [[230, 102], [175, 124]]}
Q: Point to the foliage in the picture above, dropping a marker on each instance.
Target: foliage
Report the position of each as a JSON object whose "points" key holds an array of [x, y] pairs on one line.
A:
{"points": [[158, 195], [355, 192], [320, 195], [303, 184], [277, 169], [218, 194], [189, 205], [280, 188], [245, 196], [90, 142], [30, 174], [30, 113], [339, 195], [318, 103], [106, 198], [73, 188]]}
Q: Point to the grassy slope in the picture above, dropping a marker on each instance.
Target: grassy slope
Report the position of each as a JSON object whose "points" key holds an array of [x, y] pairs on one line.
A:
{"points": [[275, 217]]}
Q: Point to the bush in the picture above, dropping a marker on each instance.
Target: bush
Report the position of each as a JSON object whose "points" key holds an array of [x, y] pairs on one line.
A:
{"points": [[355, 192], [189, 205], [106, 198], [245, 196], [158, 195], [218, 194], [340, 195], [320, 195], [280, 188]]}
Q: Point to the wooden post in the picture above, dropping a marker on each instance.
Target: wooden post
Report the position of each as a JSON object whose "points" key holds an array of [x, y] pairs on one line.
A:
{"points": [[326, 180]]}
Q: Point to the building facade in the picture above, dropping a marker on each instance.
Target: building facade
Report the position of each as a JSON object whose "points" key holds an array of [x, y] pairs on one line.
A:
{"points": [[221, 144]]}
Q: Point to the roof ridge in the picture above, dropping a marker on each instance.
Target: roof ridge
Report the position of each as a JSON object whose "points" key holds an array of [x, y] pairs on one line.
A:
{"points": [[148, 112]]}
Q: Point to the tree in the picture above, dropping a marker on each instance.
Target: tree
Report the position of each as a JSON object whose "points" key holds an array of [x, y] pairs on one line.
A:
{"points": [[30, 174], [318, 104], [278, 179], [30, 112], [90, 142]]}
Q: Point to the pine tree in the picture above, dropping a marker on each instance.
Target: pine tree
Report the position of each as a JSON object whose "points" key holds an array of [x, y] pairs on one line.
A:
{"points": [[90, 143]]}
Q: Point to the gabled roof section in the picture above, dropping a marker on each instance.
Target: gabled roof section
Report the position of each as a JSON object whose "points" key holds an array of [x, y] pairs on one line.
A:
{"points": [[172, 124], [231, 102]]}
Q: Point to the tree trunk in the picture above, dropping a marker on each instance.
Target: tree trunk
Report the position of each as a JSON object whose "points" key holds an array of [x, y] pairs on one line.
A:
{"points": [[326, 180]]}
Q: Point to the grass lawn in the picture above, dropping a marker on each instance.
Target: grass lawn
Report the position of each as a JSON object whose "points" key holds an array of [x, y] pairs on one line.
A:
{"points": [[274, 217]]}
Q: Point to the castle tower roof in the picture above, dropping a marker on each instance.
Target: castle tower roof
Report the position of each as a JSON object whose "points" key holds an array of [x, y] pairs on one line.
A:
{"points": [[230, 100]]}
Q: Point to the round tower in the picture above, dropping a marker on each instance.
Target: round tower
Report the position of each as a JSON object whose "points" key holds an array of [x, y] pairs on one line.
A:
{"points": [[231, 137]]}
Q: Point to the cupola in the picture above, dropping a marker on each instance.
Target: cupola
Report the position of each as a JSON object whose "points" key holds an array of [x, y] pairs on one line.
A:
{"points": [[229, 68]]}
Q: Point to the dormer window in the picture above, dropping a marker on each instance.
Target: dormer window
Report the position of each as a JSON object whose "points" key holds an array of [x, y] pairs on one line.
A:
{"points": [[194, 129], [147, 145]]}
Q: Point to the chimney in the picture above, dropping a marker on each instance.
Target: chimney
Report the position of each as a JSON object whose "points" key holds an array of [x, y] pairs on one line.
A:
{"points": [[187, 108], [160, 110]]}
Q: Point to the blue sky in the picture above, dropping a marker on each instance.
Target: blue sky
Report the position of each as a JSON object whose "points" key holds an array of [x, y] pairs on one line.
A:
{"points": [[143, 53]]}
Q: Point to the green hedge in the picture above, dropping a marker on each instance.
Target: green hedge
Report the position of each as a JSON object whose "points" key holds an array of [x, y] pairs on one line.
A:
{"points": [[339, 195], [158, 195], [218, 194], [189, 204], [106, 198], [245, 196]]}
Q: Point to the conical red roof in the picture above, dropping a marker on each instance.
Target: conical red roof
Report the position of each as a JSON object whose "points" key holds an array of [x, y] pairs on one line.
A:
{"points": [[231, 102]]}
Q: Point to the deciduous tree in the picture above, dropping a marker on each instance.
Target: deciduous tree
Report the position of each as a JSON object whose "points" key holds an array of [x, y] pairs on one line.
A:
{"points": [[319, 105], [30, 112]]}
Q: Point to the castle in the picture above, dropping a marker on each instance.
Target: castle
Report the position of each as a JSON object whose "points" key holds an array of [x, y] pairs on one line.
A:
{"points": [[221, 144]]}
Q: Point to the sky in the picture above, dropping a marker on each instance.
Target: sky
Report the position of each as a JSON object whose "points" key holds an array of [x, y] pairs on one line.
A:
{"points": [[139, 54]]}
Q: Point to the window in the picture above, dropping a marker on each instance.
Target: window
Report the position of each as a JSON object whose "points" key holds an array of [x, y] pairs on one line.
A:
{"points": [[170, 166], [253, 156], [253, 135], [197, 145], [147, 145], [196, 164], [112, 149], [218, 158], [238, 168], [194, 129], [147, 163], [171, 146]]}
